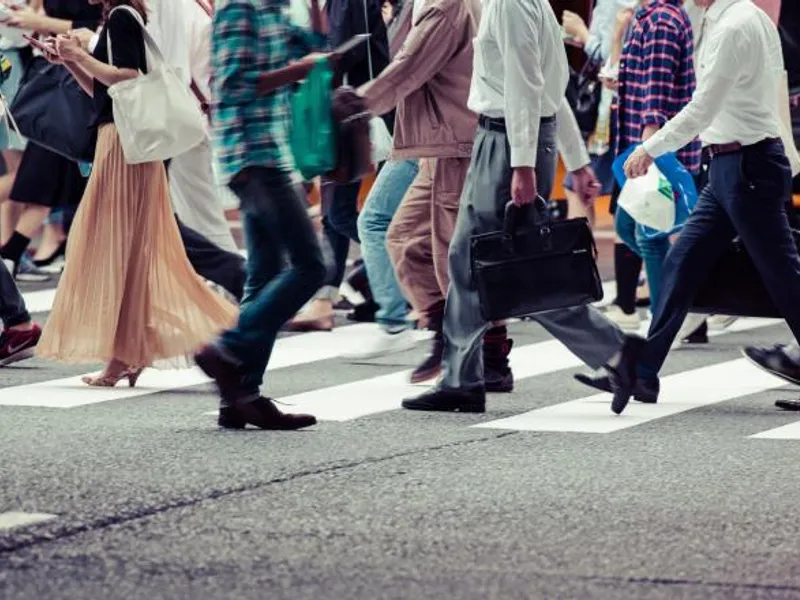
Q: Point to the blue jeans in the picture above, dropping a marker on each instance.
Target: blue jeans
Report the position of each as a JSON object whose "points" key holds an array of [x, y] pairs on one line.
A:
{"points": [[284, 267], [384, 198], [746, 196], [653, 252], [339, 216]]}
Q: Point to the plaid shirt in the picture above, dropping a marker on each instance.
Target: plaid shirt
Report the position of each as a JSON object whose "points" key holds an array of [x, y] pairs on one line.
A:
{"points": [[656, 78], [251, 37]]}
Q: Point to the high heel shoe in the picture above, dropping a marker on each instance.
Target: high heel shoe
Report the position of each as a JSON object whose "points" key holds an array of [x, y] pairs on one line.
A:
{"points": [[109, 380]]}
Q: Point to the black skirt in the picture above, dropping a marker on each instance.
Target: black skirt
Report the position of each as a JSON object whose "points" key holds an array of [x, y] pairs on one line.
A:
{"points": [[48, 179]]}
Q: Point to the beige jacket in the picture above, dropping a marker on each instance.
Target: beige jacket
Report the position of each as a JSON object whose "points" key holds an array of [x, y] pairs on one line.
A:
{"points": [[429, 80]]}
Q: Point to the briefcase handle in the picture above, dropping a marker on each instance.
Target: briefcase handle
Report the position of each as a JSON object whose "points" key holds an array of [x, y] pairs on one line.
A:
{"points": [[515, 216]]}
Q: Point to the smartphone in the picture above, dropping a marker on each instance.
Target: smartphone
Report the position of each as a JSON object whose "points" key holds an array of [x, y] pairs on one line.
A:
{"points": [[351, 44], [47, 45]]}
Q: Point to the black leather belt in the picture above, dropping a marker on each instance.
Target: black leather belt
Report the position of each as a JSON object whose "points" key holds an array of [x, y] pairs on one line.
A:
{"points": [[499, 125], [715, 150]]}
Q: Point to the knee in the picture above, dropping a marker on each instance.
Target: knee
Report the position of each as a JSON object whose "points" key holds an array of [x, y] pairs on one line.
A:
{"points": [[370, 226]]}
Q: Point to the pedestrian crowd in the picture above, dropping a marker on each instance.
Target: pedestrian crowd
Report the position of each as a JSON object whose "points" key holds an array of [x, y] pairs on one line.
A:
{"points": [[129, 126]]}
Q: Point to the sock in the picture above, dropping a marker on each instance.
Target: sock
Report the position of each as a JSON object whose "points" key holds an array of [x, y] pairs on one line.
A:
{"points": [[15, 247], [627, 266], [496, 335]]}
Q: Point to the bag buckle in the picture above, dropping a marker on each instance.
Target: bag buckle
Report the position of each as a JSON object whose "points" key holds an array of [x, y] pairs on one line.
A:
{"points": [[547, 238]]}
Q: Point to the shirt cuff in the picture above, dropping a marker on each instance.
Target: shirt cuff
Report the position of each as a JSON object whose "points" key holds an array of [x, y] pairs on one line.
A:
{"points": [[656, 146], [575, 158], [523, 157]]}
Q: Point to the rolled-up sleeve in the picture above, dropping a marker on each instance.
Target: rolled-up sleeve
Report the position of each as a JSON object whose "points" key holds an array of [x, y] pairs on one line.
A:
{"points": [[235, 37], [518, 39]]}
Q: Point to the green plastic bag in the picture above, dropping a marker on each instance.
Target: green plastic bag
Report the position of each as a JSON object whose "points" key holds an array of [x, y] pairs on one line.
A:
{"points": [[312, 138]]}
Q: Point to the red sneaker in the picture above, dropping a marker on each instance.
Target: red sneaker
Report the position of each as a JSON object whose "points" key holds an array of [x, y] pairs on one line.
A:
{"points": [[17, 345]]}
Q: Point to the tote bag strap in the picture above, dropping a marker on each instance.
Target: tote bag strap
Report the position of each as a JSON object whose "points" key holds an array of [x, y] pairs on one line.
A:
{"points": [[149, 42], [207, 6], [369, 40]]}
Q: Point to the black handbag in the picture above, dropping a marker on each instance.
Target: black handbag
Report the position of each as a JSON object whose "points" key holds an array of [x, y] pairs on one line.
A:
{"points": [[52, 110], [584, 92], [534, 265], [735, 288]]}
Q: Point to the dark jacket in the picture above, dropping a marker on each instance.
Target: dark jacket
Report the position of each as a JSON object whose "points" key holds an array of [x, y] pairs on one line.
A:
{"points": [[789, 27], [346, 19]]}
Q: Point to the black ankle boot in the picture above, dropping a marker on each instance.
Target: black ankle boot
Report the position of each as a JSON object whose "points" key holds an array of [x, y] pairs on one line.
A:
{"points": [[431, 367], [497, 374]]}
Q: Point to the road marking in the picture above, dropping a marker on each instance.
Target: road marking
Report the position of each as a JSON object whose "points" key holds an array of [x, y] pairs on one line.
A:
{"points": [[290, 351], [12, 520], [679, 393], [786, 432], [386, 392]]}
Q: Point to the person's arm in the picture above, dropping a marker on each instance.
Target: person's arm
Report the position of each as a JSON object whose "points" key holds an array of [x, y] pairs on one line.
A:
{"points": [[29, 18], [661, 51], [429, 46], [200, 51], [722, 71], [569, 140], [232, 44], [82, 77], [518, 39], [126, 49]]}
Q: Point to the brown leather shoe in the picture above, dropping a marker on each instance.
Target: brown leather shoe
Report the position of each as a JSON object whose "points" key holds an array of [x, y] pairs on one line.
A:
{"points": [[225, 373], [263, 413]]}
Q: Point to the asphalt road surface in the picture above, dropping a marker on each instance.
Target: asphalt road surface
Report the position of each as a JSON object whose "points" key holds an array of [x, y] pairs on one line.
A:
{"points": [[117, 494]]}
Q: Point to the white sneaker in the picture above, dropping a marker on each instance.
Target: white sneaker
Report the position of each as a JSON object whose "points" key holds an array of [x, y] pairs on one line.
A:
{"points": [[626, 322], [691, 323], [721, 322], [383, 344]]}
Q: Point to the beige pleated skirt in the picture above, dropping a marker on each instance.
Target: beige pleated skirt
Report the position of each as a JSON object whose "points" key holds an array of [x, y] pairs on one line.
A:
{"points": [[128, 291]]}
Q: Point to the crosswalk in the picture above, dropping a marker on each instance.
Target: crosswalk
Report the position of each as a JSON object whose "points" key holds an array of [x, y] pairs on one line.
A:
{"points": [[700, 386]]}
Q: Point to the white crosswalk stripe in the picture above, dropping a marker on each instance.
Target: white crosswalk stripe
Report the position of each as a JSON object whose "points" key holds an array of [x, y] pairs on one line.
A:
{"points": [[681, 392]]}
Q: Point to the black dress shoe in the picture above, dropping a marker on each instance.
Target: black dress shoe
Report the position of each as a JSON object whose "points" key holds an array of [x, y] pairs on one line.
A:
{"points": [[775, 361], [698, 336], [645, 390], [225, 373], [364, 313], [622, 377], [793, 405], [262, 413], [471, 401]]}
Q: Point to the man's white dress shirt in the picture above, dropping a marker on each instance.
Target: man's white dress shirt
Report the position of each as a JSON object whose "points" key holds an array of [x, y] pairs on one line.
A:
{"points": [[520, 71], [739, 67]]}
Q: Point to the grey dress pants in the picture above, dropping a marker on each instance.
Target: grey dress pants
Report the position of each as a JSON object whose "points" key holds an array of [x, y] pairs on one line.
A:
{"points": [[584, 330]]}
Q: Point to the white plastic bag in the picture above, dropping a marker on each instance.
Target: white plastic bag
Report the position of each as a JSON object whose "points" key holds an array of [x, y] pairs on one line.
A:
{"points": [[381, 140], [649, 200], [156, 114]]}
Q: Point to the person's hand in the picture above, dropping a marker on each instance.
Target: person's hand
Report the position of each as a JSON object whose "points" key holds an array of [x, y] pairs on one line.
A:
{"points": [[84, 36], [638, 163], [69, 48], [53, 58], [575, 26], [610, 84], [585, 184], [523, 186], [24, 18], [387, 12]]}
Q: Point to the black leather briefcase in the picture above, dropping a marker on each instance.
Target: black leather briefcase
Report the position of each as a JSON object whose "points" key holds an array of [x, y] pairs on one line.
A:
{"points": [[534, 265], [734, 287]]}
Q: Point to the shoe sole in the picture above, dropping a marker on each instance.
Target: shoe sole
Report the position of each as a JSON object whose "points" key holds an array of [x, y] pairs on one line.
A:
{"points": [[771, 371], [21, 355], [792, 405], [642, 399]]}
